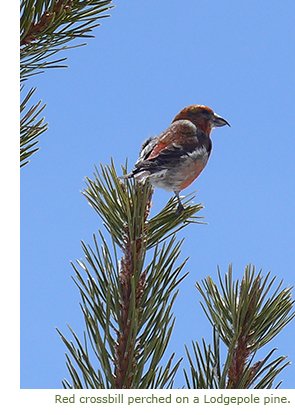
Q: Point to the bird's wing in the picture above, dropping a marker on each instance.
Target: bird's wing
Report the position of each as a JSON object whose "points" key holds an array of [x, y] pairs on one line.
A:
{"points": [[180, 134], [166, 150]]}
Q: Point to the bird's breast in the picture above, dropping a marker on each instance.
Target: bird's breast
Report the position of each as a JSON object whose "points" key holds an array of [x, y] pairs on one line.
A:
{"points": [[191, 167], [183, 173]]}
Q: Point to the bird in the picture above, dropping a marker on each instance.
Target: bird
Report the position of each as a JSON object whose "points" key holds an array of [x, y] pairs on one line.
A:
{"points": [[175, 158]]}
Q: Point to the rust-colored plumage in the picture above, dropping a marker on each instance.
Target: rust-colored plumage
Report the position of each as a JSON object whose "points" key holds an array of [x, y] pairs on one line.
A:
{"points": [[175, 158]]}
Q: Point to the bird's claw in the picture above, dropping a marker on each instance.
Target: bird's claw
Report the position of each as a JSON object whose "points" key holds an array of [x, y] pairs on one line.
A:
{"points": [[179, 209]]}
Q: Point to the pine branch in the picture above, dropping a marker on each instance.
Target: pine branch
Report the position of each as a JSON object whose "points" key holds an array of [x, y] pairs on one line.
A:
{"points": [[133, 251], [242, 350], [38, 27], [245, 320], [48, 25], [127, 304], [46, 28], [107, 195]]}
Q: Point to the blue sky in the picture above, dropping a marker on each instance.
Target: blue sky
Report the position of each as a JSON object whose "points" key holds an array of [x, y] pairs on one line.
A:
{"points": [[147, 62]]}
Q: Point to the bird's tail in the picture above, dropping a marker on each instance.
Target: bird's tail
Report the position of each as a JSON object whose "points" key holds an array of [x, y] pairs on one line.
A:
{"points": [[140, 176], [126, 176]]}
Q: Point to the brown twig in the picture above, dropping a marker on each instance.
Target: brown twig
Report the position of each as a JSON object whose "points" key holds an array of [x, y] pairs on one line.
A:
{"points": [[243, 348], [38, 27], [126, 347]]}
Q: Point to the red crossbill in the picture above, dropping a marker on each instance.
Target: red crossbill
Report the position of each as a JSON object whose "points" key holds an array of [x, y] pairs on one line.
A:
{"points": [[175, 158]]}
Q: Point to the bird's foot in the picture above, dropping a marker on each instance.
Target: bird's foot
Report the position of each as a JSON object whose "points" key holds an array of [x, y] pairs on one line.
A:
{"points": [[179, 209]]}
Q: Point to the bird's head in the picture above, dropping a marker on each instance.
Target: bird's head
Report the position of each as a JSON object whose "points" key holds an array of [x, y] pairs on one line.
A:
{"points": [[203, 117]]}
